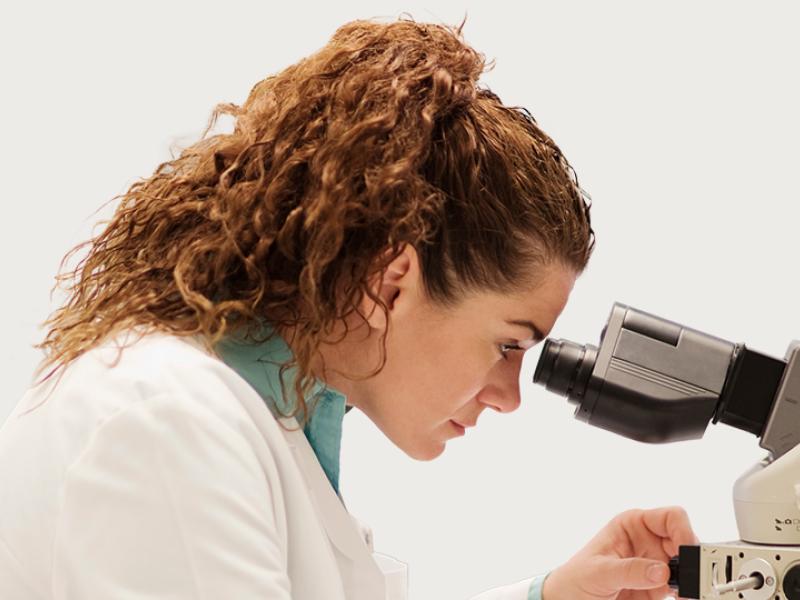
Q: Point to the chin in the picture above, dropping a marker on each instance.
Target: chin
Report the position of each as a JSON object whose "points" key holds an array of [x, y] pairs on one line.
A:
{"points": [[425, 451]]}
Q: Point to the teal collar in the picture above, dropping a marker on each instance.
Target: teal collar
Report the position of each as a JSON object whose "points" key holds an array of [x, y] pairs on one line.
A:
{"points": [[259, 365]]}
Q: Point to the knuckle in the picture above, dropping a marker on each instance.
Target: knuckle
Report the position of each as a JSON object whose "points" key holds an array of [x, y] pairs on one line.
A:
{"points": [[629, 515], [634, 513], [680, 512]]}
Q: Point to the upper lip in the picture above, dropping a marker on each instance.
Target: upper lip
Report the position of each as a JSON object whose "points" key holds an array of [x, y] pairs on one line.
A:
{"points": [[464, 425]]}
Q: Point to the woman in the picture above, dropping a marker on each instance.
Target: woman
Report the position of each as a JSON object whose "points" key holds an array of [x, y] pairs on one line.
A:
{"points": [[377, 232]]}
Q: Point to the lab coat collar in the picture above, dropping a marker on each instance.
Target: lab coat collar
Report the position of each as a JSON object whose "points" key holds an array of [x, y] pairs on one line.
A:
{"points": [[363, 577], [259, 364]]}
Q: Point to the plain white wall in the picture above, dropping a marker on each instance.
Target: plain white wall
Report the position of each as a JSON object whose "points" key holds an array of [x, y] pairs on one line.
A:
{"points": [[680, 118]]}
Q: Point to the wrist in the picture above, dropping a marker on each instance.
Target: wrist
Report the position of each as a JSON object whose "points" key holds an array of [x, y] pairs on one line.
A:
{"points": [[549, 592]]}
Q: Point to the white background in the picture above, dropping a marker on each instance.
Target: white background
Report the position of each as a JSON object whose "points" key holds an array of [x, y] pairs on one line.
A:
{"points": [[680, 118]]}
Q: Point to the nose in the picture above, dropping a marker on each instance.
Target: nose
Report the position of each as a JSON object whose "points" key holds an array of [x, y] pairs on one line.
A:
{"points": [[501, 391]]}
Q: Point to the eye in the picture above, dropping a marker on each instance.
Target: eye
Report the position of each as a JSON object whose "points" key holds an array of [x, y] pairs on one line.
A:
{"points": [[506, 348]]}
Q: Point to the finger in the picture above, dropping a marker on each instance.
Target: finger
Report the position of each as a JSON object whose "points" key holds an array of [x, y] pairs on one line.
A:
{"points": [[639, 538], [670, 547], [671, 522], [630, 573]]}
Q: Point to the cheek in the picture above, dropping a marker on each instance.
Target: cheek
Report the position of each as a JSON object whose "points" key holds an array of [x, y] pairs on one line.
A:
{"points": [[433, 371], [450, 353], [460, 375], [471, 361]]}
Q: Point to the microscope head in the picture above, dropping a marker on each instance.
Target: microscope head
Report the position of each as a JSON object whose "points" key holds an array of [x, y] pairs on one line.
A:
{"points": [[653, 380]]}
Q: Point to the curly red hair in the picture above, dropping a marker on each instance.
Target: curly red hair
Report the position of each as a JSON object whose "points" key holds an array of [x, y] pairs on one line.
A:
{"points": [[381, 138]]}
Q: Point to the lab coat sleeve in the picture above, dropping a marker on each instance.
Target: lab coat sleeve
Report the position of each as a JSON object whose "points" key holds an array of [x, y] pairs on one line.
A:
{"points": [[527, 589], [169, 501]]}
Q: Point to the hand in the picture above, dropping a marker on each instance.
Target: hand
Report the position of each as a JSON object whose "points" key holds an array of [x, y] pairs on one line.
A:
{"points": [[616, 563]]}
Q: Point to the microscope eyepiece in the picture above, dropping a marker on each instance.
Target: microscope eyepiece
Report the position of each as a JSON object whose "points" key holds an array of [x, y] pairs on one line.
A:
{"points": [[564, 368]]}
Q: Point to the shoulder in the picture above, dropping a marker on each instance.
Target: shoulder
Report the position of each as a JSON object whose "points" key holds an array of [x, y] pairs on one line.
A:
{"points": [[131, 368], [162, 482], [153, 373]]}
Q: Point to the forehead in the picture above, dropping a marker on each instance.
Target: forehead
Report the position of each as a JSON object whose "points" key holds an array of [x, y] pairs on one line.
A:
{"points": [[540, 304]]}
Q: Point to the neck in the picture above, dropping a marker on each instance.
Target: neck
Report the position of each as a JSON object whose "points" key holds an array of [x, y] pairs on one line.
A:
{"points": [[344, 363]]}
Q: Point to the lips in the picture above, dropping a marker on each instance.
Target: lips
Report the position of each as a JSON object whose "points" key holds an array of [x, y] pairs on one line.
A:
{"points": [[460, 429]]}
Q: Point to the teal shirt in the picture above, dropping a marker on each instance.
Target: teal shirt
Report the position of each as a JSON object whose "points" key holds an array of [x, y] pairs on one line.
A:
{"points": [[259, 365]]}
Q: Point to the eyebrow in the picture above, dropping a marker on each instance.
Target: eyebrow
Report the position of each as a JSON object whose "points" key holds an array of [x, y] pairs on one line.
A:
{"points": [[538, 336]]}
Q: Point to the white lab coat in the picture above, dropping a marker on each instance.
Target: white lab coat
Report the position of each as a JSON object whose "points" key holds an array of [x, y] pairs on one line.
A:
{"points": [[166, 476]]}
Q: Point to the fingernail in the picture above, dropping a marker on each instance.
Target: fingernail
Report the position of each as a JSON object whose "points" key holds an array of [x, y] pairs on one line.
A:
{"points": [[657, 573]]}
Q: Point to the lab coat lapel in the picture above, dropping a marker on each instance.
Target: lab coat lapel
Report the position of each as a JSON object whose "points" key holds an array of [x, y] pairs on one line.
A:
{"points": [[363, 577]]}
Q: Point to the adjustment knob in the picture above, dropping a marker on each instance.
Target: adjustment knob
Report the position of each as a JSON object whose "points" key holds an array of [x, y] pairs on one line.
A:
{"points": [[791, 583], [673, 572]]}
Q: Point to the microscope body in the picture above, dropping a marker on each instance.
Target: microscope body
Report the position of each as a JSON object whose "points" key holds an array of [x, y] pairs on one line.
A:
{"points": [[656, 381], [766, 501], [770, 490]]}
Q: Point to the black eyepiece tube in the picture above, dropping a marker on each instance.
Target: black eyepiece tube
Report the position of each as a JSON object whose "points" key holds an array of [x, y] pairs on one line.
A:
{"points": [[565, 367]]}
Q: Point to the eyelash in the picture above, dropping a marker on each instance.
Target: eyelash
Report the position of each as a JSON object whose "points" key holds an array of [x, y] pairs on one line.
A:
{"points": [[504, 349]]}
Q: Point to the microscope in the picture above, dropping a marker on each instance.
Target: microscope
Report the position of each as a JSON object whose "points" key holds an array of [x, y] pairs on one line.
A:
{"points": [[656, 381]]}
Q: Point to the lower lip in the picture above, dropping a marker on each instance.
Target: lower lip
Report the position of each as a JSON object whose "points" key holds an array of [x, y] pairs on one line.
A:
{"points": [[459, 429]]}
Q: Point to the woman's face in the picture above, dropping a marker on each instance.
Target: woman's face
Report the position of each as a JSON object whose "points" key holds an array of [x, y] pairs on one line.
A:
{"points": [[443, 367]]}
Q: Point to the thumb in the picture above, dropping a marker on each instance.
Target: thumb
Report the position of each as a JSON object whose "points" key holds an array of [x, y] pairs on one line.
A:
{"points": [[634, 573]]}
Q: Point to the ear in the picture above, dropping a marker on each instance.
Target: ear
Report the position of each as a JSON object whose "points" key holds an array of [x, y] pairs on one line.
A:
{"points": [[397, 286]]}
